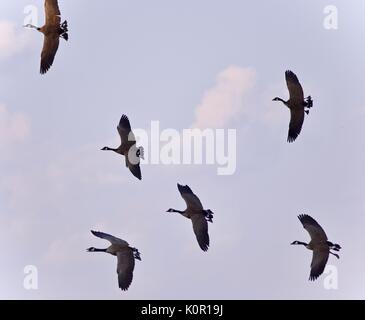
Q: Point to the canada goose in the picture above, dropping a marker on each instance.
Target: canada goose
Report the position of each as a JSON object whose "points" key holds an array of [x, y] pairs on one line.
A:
{"points": [[125, 255], [319, 245], [296, 104], [128, 147], [52, 31], [198, 216]]}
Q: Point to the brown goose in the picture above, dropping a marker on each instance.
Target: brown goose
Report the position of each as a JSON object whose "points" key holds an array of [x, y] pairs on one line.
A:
{"points": [[319, 245], [198, 216], [52, 31], [296, 104], [125, 255], [128, 147]]}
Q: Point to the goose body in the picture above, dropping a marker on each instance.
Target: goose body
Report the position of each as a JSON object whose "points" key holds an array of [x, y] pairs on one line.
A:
{"points": [[52, 31], [128, 147], [125, 254], [319, 244], [196, 213], [297, 105]]}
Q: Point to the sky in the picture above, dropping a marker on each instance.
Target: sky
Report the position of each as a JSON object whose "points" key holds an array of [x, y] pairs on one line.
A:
{"points": [[207, 64]]}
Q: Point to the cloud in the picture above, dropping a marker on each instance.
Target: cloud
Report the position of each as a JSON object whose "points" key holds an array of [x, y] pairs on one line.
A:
{"points": [[12, 41], [226, 100], [14, 127]]}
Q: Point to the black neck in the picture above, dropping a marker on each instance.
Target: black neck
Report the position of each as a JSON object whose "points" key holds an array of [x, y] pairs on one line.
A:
{"points": [[32, 26], [110, 149], [178, 211], [301, 243], [283, 101], [99, 250]]}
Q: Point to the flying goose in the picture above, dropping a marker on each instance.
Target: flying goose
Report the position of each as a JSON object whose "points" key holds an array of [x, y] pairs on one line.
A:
{"points": [[52, 31], [128, 147], [125, 255], [198, 216], [319, 244], [296, 104]]}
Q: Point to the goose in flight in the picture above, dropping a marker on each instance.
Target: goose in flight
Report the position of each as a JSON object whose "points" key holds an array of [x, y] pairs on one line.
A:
{"points": [[125, 255], [128, 147], [319, 244], [52, 31], [198, 216], [296, 104]]}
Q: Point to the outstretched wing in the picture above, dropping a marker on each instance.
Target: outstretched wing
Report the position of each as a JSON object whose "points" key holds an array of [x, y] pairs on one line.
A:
{"points": [[296, 123], [200, 227], [135, 169], [125, 131], [191, 200], [125, 268], [53, 14], [294, 87], [110, 238], [319, 261], [50, 47], [314, 229]]}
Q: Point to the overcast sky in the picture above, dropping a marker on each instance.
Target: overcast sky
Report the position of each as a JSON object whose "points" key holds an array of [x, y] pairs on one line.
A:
{"points": [[206, 63]]}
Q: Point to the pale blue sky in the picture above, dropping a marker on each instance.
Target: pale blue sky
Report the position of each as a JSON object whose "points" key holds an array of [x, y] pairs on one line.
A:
{"points": [[154, 60]]}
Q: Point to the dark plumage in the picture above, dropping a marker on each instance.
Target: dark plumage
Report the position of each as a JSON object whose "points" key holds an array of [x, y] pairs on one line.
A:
{"points": [[319, 244], [125, 254], [297, 105], [128, 147], [52, 31], [198, 216]]}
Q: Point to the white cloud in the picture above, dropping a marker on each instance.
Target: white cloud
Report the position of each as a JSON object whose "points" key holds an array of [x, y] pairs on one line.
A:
{"points": [[226, 100], [12, 41], [14, 127]]}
